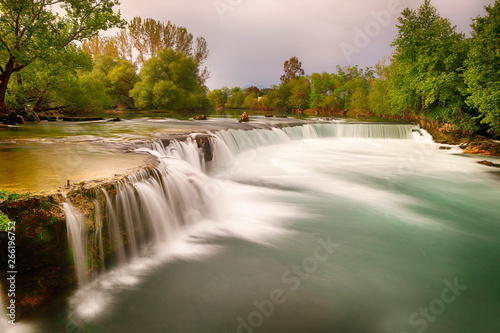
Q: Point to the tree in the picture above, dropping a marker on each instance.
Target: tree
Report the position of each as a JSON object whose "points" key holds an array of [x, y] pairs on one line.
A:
{"points": [[236, 99], [483, 68], [300, 93], [148, 37], [379, 98], [429, 66], [219, 97], [35, 86], [169, 81], [293, 69], [31, 30]]}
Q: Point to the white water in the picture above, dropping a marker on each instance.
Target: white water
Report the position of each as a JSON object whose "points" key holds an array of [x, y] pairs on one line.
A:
{"points": [[315, 180], [77, 236]]}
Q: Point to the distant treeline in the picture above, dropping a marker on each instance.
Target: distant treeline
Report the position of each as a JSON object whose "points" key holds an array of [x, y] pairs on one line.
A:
{"points": [[103, 73], [435, 73]]}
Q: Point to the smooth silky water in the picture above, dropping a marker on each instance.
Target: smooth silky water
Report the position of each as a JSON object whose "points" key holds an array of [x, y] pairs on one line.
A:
{"points": [[319, 228]]}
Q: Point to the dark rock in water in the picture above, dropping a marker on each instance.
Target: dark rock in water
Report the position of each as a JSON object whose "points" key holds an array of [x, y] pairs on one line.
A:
{"points": [[203, 142], [283, 116], [200, 117], [327, 119], [268, 116], [418, 131], [444, 148], [487, 163], [115, 119], [463, 145], [244, 118], [81, 118], [3, 127]]}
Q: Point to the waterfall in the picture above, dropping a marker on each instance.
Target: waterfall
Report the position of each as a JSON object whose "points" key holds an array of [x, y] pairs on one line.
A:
{"points": [[151, 206], [226, 144], [75, 224]]}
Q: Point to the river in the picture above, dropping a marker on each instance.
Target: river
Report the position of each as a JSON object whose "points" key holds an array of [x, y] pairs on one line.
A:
{"points": [[318, 228]]}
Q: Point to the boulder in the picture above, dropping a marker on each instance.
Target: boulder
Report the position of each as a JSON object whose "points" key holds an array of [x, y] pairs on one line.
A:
{"points": [[487, 163], [244, 118], [200, 117]]}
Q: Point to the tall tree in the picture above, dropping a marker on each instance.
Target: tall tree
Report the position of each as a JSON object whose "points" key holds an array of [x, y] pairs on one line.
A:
{"points": [[429, 65], [32, 30], [169, 81], [293, 69], [483, 67]]}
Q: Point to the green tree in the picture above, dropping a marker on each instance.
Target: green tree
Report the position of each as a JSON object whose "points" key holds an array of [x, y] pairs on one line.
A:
{"points": [[169, 81], [300, 92], [429, 66], [118, 76], [236, 99], [379, 98], [219, 97], [31, 30], [35, 86], [483, 68]]}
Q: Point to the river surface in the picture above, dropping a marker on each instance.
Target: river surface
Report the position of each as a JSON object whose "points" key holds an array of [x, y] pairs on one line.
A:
{"points": [[314, 234]]}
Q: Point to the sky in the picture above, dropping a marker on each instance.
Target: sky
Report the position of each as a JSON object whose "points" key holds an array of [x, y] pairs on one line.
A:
{"points": [[249, 40]]}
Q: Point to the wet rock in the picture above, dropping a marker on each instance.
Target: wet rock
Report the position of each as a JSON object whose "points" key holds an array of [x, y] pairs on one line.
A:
{"points": [[203, 142], [463, 145], [244, 118], [487, 163], [200, 117], [444, 148], [115, 119], [3, 127]]}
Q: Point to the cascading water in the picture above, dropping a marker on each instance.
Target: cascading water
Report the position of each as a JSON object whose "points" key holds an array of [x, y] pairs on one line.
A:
{"points": [[77, 237], [343, 231], [151, 207]]}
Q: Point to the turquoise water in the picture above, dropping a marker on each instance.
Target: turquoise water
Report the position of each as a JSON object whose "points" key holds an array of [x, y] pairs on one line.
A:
{"points": [[315, 235]]}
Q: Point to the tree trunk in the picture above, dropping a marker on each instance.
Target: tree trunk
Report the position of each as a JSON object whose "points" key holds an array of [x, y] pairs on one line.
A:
{"points": [[4, 82]]}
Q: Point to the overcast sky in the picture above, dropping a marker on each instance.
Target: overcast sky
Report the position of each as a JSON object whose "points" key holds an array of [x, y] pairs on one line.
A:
{"points": [[249, 40]]}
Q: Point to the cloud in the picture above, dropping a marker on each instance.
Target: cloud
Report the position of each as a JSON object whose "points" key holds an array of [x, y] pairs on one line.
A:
{"points": [[250, 39]]}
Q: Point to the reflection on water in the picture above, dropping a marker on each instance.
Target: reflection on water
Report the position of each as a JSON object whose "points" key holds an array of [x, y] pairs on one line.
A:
{"points": [[44, 167]]}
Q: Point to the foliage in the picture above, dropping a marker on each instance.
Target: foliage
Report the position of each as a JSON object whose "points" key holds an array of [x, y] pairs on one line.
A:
{"points": [[236, 99], [4, 221], [8, 196], [145, 38], [35, 86], [483, 68], [219, 97], [379, 97], [300, 90], [169, 81], [293, 69], [429, 61], [33, 30]]}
